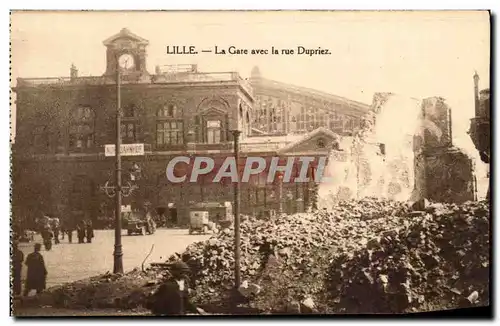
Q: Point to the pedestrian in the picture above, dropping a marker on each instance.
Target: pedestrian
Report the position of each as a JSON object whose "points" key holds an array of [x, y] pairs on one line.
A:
{"points": [[56, 234], [47, 236], [89, 231], [80, 230], [37, 273], [69, 231], [64, 226], [17, 267], [172, 297]]}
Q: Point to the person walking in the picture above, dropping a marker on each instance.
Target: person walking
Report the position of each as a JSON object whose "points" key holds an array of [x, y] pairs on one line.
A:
{"points": [[37, 273], [69, 231], [55, 230], [172, 297], [80, 230], [89, 231], [47, 236], [64, 226], [17, 267]]}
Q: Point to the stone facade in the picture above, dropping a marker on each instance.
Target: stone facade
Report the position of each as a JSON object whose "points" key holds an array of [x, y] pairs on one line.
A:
{"points": [[63, 124]]}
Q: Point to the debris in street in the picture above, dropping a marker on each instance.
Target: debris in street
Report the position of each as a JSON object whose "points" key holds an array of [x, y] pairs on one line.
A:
{"points": [[377, 243], [425, 265], [324, 261]]}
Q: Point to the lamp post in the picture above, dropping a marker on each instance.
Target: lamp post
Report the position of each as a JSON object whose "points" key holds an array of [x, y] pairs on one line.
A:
{"points": [[118, 253], [117, 191], [236, 185], [280, 193]]}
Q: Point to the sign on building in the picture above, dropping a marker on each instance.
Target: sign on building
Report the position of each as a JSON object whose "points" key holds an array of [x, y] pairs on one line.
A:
{"points": [[125, 150]]}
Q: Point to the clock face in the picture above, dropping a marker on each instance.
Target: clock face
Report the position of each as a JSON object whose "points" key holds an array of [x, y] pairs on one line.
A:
{"points": [[126, 61]]}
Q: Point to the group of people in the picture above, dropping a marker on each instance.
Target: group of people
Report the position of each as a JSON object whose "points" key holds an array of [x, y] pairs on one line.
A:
{"points": [[84, 230], [171, 298], [37, 273], [52, 230]]}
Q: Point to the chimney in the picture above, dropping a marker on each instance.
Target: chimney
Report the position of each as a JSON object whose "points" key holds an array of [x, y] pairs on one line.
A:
{"points": [[476, 93], [73, 72]]}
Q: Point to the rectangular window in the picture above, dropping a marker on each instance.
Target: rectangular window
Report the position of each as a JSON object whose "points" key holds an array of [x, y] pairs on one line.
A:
{"points": [[81, 141], [213, 131], [169, 133], [81, 137], [128, 132]]}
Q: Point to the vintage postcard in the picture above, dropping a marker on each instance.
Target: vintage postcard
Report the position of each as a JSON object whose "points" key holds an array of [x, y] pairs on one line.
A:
{"points": [[250, 162]]}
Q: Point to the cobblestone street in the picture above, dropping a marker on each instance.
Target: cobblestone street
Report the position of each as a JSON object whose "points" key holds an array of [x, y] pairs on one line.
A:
{"points": [[70, 262]]}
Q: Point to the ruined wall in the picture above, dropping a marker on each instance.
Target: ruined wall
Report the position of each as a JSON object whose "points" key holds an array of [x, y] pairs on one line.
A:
{"points": [[443, 173]]}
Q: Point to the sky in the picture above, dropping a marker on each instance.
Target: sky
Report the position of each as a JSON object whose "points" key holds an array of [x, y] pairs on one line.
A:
{"points": [[417, 54]]}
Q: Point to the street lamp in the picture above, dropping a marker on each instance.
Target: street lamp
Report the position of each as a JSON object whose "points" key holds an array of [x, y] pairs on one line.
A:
{"points": [[121, 63], [236, 185], [280, 193]]}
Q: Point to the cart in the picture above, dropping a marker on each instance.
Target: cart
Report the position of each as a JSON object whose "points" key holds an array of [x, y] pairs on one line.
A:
{"points": [[137, 224], [199, 222]]}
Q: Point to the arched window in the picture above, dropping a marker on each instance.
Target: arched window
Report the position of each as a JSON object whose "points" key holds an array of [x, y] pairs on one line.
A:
{"points": [[167, 111], [81, 129], [129, 111], [321, 143]]}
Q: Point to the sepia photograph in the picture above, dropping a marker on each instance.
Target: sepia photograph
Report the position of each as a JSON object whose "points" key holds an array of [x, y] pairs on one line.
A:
{"points": [[228, 163]]}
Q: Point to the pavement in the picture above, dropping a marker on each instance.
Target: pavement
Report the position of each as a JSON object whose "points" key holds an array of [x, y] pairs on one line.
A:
{"points": [[68, 262]]}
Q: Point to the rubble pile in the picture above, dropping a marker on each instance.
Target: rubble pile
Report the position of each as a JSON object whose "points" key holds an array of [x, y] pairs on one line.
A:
{"points": [[438, 260], [128, 291], [370, 208], [301, 245], [357, 257]]}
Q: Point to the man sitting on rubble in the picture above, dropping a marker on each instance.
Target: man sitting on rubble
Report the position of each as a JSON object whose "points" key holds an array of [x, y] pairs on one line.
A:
{"points": [[172, 297]]}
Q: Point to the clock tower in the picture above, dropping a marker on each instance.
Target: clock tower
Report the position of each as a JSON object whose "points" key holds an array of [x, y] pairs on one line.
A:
{"points": [[128, 51]]}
